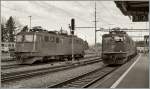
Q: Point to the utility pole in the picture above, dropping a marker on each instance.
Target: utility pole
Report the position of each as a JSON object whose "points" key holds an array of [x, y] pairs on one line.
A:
{"points": [[95, 21], [30, 22], [95, 24], [110, 27]]}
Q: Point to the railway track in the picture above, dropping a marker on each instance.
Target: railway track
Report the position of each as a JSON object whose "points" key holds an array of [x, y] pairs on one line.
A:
{"points": [[88, 79], [18, 75], [6, 60], [19, 66], [12, 66], [85, 80]]}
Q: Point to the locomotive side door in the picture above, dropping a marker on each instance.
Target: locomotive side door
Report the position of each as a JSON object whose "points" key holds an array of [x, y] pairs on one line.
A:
{"points": [[39, 43]]}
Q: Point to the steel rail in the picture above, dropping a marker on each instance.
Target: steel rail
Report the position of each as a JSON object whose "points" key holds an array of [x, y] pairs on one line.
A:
{"points": [[87, 79], [19, 66], [17, 75]]}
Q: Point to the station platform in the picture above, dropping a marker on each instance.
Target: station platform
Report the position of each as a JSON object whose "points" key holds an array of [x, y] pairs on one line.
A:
{"points": [[138, 75]]}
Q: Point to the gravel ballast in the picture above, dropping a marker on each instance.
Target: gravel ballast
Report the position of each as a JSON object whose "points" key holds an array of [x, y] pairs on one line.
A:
{"points": [[43, 81]]}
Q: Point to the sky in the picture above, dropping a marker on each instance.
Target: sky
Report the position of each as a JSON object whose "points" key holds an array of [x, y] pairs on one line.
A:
{"points": [[52, 15]]}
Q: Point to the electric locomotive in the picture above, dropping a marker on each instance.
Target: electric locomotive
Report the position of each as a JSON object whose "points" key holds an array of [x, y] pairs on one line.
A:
{"points": [[117, 47], [41, 45]]}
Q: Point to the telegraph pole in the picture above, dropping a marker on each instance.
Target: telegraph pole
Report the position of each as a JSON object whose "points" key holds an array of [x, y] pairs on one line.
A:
{"points": [[95, 24], [30, 21], [95, 21]]}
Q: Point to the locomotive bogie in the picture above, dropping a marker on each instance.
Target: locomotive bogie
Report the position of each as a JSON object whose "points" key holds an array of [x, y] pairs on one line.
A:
{"points": [[32, 59], [114, 58]]}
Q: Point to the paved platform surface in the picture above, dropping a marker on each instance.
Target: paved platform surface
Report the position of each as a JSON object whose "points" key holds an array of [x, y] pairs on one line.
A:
{"points": [[138, 76]]}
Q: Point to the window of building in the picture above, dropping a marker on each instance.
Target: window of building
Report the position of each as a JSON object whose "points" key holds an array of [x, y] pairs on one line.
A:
{"points": [[5, 45], [2, 45], [12, 45], [9, 45]]}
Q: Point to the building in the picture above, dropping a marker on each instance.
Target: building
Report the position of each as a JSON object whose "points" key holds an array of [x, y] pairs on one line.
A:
{"points": [[137, 10], [8, 47]]}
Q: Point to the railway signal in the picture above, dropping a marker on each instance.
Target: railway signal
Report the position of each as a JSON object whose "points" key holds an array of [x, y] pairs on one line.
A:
{"points": [[72, 26]]}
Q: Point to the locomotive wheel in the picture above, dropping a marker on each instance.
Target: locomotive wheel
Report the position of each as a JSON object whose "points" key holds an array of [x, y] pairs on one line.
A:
{"points": [[45, 59], [61, 58], [69, 57]]}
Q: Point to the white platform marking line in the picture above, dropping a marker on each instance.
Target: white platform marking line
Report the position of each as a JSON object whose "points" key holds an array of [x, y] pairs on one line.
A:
{"points": [[125, 73]]}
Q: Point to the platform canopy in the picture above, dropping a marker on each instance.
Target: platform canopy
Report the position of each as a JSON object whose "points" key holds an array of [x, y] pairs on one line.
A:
{"points": [[136, 10]]}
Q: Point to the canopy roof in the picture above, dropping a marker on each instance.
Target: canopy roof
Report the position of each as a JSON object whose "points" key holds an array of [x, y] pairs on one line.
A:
{"points": [[138, 10]]}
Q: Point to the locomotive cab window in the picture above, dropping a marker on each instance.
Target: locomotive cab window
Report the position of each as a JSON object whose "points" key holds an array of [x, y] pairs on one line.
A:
{"points": [[52, 39], [107, 39], [19, 38], [46, 38], [28, 38]]}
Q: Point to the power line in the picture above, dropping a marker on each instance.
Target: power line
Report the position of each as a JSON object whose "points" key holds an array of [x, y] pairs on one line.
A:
{"points": [[35, 15], [109, 12], [127, 30], [95, 24], [9, 8]]}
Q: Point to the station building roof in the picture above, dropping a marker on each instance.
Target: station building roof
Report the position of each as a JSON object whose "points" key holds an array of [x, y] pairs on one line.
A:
{"points": [[137, 10]]}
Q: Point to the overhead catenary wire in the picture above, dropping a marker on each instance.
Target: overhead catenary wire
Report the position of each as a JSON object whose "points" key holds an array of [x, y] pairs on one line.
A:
{"points": [[110, 13]]}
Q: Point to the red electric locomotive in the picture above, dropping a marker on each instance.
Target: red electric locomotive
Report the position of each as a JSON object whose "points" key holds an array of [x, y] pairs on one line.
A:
{"points": [[39, 45], [117, 47]]}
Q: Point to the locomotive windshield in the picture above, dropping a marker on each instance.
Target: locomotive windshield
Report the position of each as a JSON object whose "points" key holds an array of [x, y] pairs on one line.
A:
{"points": [[107, 39], [26, 38], [118, 38]]}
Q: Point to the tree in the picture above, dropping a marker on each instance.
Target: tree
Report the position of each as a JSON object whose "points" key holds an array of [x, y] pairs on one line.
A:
{"points": [[25, 29], [3, 29], [3, 33], [10, 26]]}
